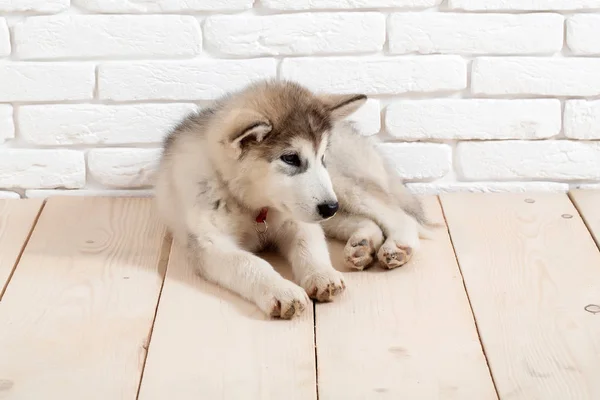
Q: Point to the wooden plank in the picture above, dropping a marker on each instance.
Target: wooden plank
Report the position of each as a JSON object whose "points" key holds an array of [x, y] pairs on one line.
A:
{"points": [[17, 218], [208, 343], [403, 334], [78, 311], [530, 268], [588, 205]]}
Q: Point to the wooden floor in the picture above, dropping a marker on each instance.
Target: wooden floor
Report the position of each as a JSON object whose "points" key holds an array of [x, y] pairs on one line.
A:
{"points": [[96, 303]]}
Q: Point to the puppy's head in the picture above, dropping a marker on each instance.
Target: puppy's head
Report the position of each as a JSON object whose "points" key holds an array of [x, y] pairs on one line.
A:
{"points": [[279, 142]]}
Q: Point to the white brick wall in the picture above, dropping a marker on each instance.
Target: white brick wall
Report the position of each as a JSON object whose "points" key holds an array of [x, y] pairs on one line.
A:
{"points": [[474, 119], [379, 75], [158, 6], [122, 168], [465, 95], [535, 76], [4, 194], [452, 33], [22, 82], [553, 159], [582, 119], [92, 36], [38, 6], [30, 169], [295, 34], [523, 5], [346, 4], [4, 38], [179, 80], [7, 128], [96, 124], [583, 32]]}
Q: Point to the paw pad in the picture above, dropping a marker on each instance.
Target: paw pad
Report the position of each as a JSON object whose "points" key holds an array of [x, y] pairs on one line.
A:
{"points": [[359, 254], [394, 256]]}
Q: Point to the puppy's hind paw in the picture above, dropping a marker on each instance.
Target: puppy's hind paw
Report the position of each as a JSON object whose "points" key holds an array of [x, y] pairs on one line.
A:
{"points": [[359, 253], [393, 255]]}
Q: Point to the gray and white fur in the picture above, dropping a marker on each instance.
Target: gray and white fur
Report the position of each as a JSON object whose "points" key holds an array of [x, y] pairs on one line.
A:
{"points": [[275, 145]]}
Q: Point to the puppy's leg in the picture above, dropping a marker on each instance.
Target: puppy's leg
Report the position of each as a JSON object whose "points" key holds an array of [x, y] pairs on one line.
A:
{"points": [[221, 261], [363, 236], [305, 248]]}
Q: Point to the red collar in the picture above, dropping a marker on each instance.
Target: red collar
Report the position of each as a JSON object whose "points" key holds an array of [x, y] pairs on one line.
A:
{"points": [[262, 216]]}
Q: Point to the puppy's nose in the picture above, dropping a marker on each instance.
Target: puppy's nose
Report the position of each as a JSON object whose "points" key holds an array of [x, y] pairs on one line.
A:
{"points": [[327, 210]]}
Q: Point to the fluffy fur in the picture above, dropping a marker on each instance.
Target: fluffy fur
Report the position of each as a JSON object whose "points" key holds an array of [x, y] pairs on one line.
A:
{"points": [[277, 146]]}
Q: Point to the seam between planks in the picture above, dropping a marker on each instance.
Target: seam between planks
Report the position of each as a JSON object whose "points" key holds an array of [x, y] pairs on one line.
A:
{"points": [[462, 278], [584, 219], [163, 265], [22, 250]]}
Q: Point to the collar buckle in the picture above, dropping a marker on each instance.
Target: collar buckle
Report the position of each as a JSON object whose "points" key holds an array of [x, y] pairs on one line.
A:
{"points": [[261, 221]]}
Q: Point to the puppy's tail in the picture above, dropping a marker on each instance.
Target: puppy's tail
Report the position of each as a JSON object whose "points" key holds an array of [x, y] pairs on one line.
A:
{"points": [[414, 208]]}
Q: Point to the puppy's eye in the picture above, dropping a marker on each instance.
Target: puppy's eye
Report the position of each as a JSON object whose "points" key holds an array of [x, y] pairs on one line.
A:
{"points": [[291, 159], [323, 161]]}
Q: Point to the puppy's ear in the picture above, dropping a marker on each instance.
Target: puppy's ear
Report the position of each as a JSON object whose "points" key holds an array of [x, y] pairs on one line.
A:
{"points": [[342, 105], [254, 132], [247, 128]]}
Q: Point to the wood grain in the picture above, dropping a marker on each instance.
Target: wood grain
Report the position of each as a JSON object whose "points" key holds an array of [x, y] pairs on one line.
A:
{"points": [[530, 268], [75, 319], [17, 218], [208, 343], [588, 205], [403, 334]]}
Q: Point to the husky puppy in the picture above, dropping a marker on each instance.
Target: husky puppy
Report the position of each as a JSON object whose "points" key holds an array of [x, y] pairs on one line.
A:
{"points": [[276, 165]]}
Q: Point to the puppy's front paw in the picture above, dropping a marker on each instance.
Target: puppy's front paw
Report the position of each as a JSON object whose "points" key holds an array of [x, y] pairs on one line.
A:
{"points": [[359, 253], [393, 255], [324, 285], [284, 300]]}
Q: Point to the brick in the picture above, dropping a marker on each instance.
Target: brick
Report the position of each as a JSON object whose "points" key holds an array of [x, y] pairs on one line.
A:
{"points": [[433, 188], [7, 128], [46, 193], [47, 169], [418, 161], [346, 4], [582, 119], [523, 5], [69, 36], [367, 119], [296, 34], [587, 186], [93, 124], [161, 6], [123, 168], [9, 195], [378, 75], [536, 76], [4, 38], [428, 33], [583, 32], [34, 81], [449, 119], [40, 6], [179, 80], [552, 159]]}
